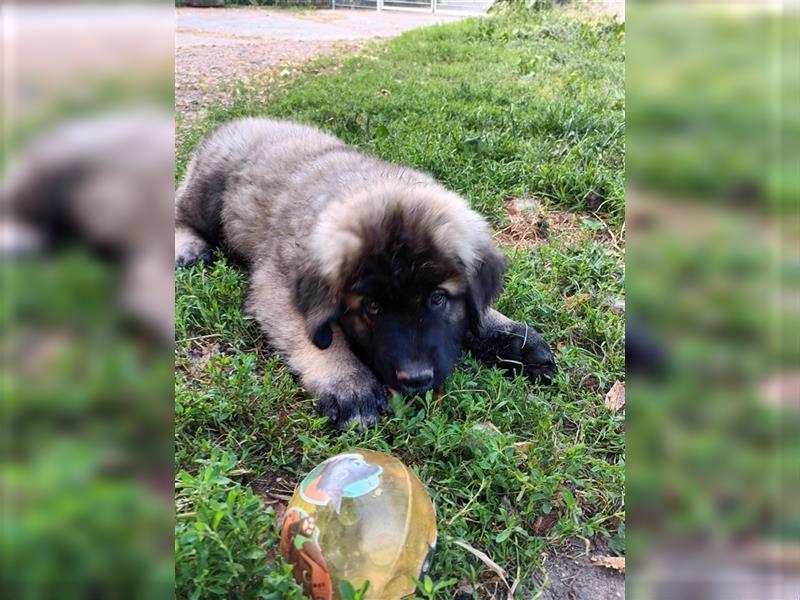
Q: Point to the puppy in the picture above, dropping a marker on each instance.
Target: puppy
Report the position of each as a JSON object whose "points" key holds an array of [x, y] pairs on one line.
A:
{"points": [[363, 274]]}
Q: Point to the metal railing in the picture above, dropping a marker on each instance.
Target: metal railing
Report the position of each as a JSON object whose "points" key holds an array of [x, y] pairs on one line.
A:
{"points": [[433, 6]]}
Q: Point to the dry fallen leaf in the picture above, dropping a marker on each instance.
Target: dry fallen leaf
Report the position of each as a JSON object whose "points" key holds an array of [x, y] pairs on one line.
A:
{"points": [[610, 562], [522, 447], [486, 426], [571, 301], [615, 398], [617, 305]]}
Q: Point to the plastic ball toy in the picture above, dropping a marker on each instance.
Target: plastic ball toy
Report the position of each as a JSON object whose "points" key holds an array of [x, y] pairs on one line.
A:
{"points": [[359, 516]]}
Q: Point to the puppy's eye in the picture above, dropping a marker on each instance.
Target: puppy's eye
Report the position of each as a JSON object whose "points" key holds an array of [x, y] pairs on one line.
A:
{"points": [[438, 298], [371, 307]]}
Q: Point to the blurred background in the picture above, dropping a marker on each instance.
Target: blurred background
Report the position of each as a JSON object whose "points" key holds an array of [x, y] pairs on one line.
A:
{"points": [[87, 292], [713, 398]]}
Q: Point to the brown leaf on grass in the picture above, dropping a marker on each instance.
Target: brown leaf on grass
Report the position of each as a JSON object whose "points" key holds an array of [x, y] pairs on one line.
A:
{"points": [[464, 590], [610, 562], [571, 301], [544, 523], [617, 305], [486, 427], [522, 447], [615, 398]]}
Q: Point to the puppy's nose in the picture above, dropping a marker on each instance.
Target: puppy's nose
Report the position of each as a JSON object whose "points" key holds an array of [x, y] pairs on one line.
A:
{"points": [[415, 379]]}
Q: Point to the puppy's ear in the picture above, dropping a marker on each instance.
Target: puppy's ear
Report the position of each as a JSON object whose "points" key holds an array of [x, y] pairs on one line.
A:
{"points": [[485, 280], [319, 304]]}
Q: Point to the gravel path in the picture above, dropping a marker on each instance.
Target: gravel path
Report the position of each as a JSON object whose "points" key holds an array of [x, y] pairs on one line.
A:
{"points": [[214, 46]]}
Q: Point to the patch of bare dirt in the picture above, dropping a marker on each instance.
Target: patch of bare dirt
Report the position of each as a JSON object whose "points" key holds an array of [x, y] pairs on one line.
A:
{"points": [[531, 221], [201, 71], [275, 489], [195, 362], [571, 574]]}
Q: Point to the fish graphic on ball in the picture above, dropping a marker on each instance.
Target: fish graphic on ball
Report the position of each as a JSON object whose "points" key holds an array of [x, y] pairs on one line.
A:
{"points": [[343, 476]]}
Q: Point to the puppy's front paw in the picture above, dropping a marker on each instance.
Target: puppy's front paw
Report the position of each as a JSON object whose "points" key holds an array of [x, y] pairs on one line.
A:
{"points": [[537, 358], [190, 249], [359, 399], [521, 348]]}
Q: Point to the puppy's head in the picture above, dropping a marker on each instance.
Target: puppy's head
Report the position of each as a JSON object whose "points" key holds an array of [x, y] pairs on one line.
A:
{"points": [[406, 271]]}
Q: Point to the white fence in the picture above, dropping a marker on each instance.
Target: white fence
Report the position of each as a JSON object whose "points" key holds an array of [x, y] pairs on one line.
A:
{"points": [[433, 6]]}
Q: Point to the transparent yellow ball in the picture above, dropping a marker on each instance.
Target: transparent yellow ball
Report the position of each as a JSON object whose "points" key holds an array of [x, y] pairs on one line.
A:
{"points": [[359, 516]]}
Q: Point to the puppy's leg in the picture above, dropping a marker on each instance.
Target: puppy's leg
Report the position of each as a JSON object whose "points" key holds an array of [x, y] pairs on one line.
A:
{"points": [[190, 248], [348, 391], [198, 205], [513, 346]]}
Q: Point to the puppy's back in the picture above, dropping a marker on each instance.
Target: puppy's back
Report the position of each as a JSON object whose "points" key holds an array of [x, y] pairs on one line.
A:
{"points": [[262, 186], [240, 169]]}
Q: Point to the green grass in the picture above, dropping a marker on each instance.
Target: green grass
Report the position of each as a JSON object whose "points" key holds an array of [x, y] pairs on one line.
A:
{"points": [[498, 107], [86, 425], [705, 91], [713, 454]]}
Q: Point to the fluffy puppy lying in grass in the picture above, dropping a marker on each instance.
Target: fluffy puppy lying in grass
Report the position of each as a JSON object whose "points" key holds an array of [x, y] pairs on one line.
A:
{"points": [[363, 274]]}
